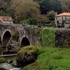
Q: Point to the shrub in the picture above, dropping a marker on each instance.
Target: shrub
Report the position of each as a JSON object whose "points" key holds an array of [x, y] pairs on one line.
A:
{"points": [[47, 37], [27, 55], [2, 60], [51, 15], [32, 21]]}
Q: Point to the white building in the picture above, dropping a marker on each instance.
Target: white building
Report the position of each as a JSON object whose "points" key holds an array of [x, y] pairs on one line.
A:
{"points": [[63, 20]]}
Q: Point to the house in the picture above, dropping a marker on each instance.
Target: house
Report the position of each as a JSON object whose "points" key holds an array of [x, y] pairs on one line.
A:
{"points": [[62, 20], [6, 20]]}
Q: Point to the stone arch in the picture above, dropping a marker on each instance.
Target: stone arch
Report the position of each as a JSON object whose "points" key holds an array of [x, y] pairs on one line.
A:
{"points": [[6, 36], [24, 42]]}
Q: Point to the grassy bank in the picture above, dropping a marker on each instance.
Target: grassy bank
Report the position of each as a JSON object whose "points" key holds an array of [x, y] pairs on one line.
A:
{"points": [[51, 59]]}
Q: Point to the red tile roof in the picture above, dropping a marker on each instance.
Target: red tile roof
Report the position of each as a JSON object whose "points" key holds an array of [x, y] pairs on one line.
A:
{"points": [[5, 18], [64, 14]]}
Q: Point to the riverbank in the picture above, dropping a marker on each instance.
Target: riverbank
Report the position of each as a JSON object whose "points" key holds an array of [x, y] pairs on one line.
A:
{"points": [[51, 59]]}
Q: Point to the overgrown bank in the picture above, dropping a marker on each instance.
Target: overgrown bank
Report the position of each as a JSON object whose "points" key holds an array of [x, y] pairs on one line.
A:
{"points": [[51, 59]]}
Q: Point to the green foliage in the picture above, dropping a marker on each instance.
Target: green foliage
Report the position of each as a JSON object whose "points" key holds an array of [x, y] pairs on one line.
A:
{"points": [[27, 54], [25, 9], [51, 59], [65, 5], [51, 15], [4, 7], [48, 5], [32, 21], [55, 58], [47, 37], [2, 60]]}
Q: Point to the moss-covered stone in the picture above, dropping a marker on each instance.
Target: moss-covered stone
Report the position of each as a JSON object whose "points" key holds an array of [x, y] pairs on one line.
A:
{"points": [[27, 55]]}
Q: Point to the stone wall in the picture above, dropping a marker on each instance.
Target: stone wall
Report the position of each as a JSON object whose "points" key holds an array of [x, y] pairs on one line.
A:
{"points": [[32, 34], [62, 38]]}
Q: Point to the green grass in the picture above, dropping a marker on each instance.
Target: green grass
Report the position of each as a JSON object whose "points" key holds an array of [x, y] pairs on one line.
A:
{"points": [[51, 59]]}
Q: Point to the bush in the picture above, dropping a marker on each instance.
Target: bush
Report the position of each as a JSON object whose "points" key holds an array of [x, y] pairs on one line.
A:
{"points": [[32, 21], [51, 15], [47, 37], [2, 60], [27, 55]]}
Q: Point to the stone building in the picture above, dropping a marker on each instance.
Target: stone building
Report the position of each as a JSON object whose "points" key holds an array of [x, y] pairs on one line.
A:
{"points": [[62, 20]]}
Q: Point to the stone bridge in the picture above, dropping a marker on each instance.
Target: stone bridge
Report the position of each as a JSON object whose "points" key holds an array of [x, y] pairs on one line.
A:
{"points": [[16, 35], [8, 31]]}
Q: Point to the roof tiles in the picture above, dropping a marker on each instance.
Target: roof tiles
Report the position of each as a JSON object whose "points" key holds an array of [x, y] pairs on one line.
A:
{"points": [[64, 14]]}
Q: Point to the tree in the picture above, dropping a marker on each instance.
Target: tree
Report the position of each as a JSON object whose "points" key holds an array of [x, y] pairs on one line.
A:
{"points": [[32, 21], [51, 15], [25, 9], [65, 5], [4, 7], [48, 5]]}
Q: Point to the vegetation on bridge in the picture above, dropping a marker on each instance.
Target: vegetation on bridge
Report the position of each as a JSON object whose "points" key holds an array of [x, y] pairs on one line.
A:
{"points": [[47, 37]]}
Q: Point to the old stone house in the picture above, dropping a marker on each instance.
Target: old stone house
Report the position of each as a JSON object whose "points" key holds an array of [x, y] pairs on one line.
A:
{"points": [[62, 20]]}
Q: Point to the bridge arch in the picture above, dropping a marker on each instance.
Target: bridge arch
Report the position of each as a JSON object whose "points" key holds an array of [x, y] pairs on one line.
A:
{"points": [[24, 41], [6, 36]]}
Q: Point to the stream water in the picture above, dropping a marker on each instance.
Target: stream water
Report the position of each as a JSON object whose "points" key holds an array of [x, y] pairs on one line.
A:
{"points": [[7, 66]]}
